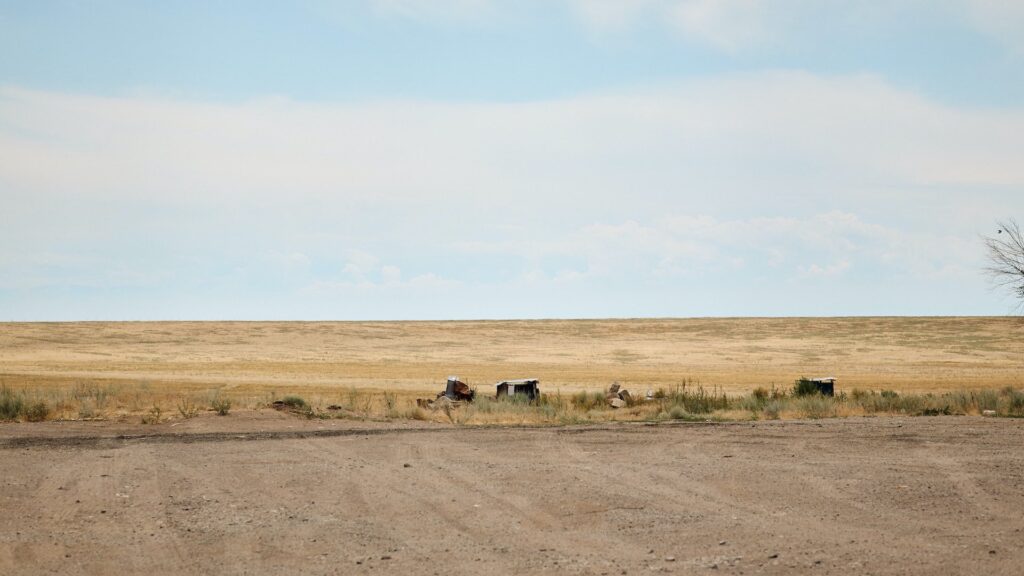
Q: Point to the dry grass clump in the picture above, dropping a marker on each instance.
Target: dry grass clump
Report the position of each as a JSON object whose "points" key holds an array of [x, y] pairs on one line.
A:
{"points": [[187, 407], [17, 406], [222, 406]]}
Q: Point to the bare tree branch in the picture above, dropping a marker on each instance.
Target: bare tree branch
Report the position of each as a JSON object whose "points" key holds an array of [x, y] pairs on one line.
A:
{"points": [[1006, 257]]}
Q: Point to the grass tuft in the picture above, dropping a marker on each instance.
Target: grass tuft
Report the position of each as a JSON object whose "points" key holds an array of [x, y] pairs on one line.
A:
{"points": [[37, 411], [11, 404], [222, 406], [187, 407]]}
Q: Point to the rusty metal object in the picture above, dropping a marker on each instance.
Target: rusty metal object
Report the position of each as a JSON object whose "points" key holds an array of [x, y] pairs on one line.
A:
{"points": [[458, 390], [455, 393]]}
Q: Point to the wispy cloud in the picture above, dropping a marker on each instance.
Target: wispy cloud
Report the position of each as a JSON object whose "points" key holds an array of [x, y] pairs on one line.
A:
{"points": [[737, 25], [783, 174]]}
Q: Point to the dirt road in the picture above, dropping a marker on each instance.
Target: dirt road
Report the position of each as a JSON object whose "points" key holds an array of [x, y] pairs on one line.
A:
{"points": [[275, 495]]}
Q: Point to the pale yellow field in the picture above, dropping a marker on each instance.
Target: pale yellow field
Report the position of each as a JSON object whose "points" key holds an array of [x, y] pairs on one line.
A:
{"points": [[904, 354]]}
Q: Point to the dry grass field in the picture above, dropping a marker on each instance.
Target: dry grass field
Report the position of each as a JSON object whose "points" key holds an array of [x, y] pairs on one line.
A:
{"points": [[254, 361]]}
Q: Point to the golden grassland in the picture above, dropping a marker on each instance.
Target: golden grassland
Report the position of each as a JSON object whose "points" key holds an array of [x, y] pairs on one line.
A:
{"points": [[128, 367]]}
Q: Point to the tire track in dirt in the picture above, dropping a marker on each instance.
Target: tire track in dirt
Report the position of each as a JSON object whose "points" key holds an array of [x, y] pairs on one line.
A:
{"points": [[402, 494], [119, 440], [801, 498]]}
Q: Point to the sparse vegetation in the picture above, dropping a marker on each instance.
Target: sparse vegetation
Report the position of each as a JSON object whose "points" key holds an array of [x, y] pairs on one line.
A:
{"points": [[391, 405], [295, 402], [153, 416], [296, 405], [587, 401], [687, 400], [37, 411], [12, 404], [187, 407], [222, 406]]}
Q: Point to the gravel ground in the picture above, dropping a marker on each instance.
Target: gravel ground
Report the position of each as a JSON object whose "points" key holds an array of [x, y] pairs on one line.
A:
{"points": [[271, 494]]}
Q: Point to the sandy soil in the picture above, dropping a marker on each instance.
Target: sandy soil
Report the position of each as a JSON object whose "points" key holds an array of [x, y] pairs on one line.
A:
{"points": [[271, 494]]}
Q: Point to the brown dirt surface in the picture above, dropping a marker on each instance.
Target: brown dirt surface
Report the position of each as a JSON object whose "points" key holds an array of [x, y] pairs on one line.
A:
{"points": [[268, 493]]}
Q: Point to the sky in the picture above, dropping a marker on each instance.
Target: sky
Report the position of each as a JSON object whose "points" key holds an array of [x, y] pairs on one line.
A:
{"points": [[467, 159]]}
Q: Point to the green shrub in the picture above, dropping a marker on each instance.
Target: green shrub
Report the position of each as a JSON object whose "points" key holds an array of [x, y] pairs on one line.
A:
{"points": [[187, 407], [816, 406], [677, 412], [589, 400], [37, 411], [11, 404], [221, 405], [986, 399], [805, 387], [699, 401], [295, 402], [751, 403], [153, 416], [772, 409], [1014, 401]]}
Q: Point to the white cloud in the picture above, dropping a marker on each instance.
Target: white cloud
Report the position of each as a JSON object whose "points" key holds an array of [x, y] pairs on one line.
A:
{"points": [[748, 25], [783, 172], [695, 246], [1001, 19], [827, 271], [360, 266], [785, 126], [390, 274], [731, 24], [611, 15]]}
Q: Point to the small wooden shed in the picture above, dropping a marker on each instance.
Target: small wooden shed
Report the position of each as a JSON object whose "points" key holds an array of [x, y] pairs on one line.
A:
{"points": [[527, 387], [826, 386]]}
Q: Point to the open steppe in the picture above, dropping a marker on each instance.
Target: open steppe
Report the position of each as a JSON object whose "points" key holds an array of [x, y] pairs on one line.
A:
{"points": [[267, 492], [736, 355]]}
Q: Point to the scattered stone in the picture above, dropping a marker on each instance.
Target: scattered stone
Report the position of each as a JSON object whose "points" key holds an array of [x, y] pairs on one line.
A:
{"points": [[406, 465], [385, 557], [670, 558], [773, 556], [722, 543], [613, 390], [988, 412], [334, 407], [617, 403]]}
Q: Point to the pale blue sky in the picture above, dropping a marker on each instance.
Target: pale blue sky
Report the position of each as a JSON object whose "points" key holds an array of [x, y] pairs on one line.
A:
{"points": [[394, 159]]}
